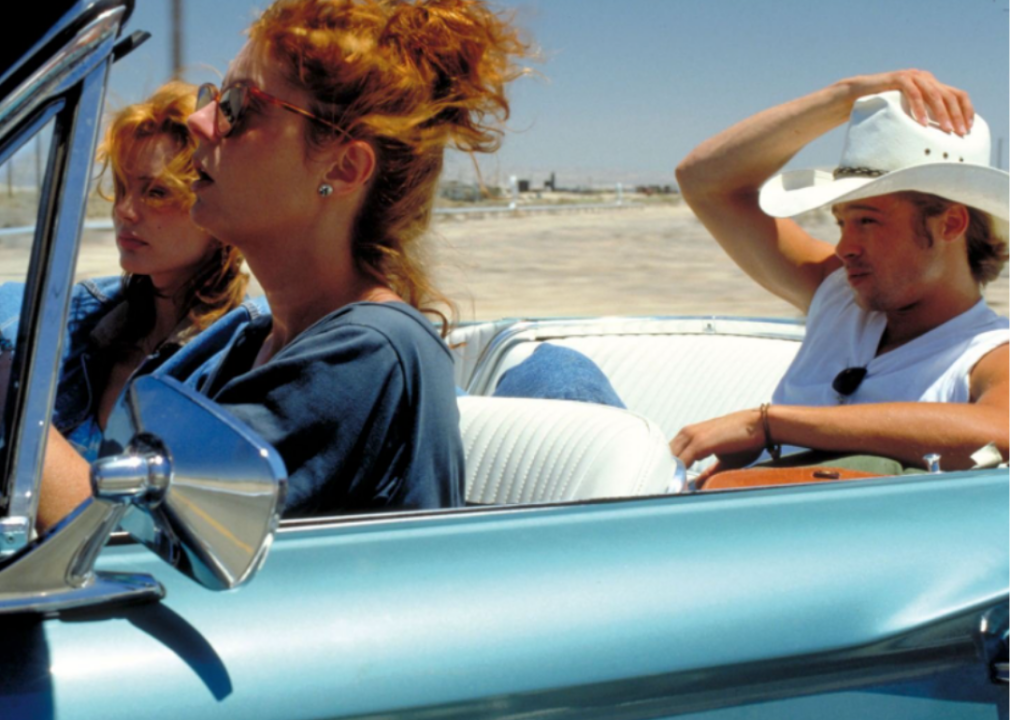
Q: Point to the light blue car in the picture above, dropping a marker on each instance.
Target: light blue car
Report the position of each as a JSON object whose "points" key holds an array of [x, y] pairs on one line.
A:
{"points": [[585, 580]]}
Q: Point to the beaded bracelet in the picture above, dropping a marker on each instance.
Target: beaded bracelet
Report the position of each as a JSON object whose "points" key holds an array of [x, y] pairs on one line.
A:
{"points": [[775, 450]]}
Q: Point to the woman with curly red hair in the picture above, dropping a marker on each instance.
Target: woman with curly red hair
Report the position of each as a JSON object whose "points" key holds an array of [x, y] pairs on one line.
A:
{"points": [[148, 151], [178, 281], [319, 159]]}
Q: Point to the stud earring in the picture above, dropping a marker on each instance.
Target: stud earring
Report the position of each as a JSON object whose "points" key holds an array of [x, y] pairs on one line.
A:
{"points": [[325, 190]]}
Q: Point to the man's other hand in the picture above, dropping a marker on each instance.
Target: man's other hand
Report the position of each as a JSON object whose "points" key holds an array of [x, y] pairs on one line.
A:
{"points": [[737, 439]]}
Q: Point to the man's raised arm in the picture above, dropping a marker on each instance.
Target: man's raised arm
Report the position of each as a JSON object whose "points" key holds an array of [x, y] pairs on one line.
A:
{"points": [[721, 178]]}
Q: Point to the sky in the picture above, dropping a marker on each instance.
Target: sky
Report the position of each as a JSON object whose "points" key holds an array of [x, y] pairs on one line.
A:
{"points": [[625, 89]]}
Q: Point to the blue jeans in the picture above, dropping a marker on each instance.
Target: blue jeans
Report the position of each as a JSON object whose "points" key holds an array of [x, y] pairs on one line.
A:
{"points": [[558, 373]]}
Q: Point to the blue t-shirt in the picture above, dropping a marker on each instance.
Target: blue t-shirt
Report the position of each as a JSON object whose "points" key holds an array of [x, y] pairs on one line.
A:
{"points": [[361, 406], [94, 318]]}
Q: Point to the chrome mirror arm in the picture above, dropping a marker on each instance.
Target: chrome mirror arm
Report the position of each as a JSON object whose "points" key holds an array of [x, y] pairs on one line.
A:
{"points": [[56, 572], [212, 517]]}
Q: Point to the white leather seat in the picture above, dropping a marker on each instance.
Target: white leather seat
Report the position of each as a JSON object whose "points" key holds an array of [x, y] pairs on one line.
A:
{"points": [[677, 380], [533, 451], [468, 343]]}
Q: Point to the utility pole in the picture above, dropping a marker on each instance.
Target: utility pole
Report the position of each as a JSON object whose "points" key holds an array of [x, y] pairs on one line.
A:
{"points": [[177, 39]]}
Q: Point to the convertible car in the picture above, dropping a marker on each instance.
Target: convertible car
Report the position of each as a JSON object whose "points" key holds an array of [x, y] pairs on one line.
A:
{"points": [[585, 579]]}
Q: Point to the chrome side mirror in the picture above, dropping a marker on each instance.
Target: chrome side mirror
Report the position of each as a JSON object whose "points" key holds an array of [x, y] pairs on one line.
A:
{"points": [[206, 492], [188, 480]]}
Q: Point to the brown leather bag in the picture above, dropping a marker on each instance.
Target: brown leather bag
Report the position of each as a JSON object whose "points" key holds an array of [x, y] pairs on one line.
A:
{"points": [[768, 477]]}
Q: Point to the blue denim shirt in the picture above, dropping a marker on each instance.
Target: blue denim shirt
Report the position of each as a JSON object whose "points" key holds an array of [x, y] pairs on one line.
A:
{"points": [[90, 302]]}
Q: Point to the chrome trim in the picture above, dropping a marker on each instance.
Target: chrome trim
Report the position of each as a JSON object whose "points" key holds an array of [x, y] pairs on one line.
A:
{"points": [[15, 532], [10, 145], [994, 643], [324, 522], [1001, 672], [63, 25], [211, 516], [54, 256], [543, 330], [679, 483], [139, 478], [57, 572], [64, 69]]}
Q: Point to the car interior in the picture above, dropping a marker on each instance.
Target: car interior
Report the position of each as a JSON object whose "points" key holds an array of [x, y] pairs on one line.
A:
{"points": [[670, 372]]}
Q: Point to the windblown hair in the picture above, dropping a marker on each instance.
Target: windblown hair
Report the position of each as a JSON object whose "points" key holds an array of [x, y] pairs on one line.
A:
{"points": [[987, 253], [219, 284], [410, 77]]}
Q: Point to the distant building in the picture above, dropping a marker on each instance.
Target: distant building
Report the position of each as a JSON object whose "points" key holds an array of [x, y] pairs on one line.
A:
{"points": [[656, 190], [459, 192]]}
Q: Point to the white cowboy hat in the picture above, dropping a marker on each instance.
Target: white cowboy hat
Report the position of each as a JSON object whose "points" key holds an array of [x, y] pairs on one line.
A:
{"points": [[887, 151]]}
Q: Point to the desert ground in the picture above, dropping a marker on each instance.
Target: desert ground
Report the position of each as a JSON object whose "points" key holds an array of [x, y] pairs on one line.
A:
{"points": [[640, 259]]}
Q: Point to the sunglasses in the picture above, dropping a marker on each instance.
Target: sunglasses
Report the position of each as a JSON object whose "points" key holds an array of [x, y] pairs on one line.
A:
{"points": [[848, 380], [233, 102]]}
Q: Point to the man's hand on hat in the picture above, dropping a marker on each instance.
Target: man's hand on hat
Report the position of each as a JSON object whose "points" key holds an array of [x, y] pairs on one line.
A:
{"points": [[949, 106]]}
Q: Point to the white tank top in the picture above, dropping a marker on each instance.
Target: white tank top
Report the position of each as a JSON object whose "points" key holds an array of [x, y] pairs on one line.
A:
{"points": [[933, 367]]}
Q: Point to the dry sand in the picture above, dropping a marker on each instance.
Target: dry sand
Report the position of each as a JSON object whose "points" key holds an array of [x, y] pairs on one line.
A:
{"points": [[655, 260], [638, 260]]}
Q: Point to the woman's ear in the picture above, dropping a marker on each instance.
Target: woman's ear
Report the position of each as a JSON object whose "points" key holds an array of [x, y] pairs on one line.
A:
{"points": [[352, 168]]}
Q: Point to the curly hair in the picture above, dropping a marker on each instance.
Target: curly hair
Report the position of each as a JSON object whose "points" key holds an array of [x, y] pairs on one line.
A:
{"points": [[410, 77], [987, 253], [219, 284]]}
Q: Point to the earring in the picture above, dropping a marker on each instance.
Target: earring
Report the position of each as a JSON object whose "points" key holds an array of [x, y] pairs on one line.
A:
{"points": [[325, 190]]}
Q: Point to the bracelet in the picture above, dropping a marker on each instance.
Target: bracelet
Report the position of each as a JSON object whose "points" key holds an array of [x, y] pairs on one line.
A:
{"points": [[773, 449]]}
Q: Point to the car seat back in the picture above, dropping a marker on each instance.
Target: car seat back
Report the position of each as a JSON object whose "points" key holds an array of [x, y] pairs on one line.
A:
{"points": [[536, 451], [674, 371]]}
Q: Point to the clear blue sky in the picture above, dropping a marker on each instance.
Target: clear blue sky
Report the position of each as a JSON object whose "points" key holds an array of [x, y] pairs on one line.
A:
{"points": [[629, 87]]}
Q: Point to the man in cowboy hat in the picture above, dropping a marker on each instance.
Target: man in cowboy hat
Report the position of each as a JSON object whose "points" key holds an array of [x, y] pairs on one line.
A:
{"points": [[902, 357]]}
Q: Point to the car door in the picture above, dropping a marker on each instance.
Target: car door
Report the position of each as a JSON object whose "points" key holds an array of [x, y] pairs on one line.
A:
{"points": [[884, 598]]}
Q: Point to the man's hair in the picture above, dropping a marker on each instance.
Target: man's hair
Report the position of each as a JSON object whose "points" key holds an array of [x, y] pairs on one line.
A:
{"points": [[987, 254]]}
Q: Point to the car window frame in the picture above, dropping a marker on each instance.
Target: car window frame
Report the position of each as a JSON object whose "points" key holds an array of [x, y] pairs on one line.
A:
{"points": [[68, 88]]}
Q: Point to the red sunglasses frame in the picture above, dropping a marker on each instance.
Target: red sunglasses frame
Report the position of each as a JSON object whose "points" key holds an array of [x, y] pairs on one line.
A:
{"points": [[208, 93]]}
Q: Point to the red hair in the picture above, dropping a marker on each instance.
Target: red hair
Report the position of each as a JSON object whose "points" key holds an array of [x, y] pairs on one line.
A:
{"points": [[409, 78], [219, 284]]}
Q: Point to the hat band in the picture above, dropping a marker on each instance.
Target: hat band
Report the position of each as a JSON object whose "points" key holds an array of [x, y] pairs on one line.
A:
{"points": [[843, 172]]}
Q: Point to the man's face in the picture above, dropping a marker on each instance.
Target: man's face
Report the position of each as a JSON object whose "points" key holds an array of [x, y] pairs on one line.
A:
{"points": [[889, 263]]}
